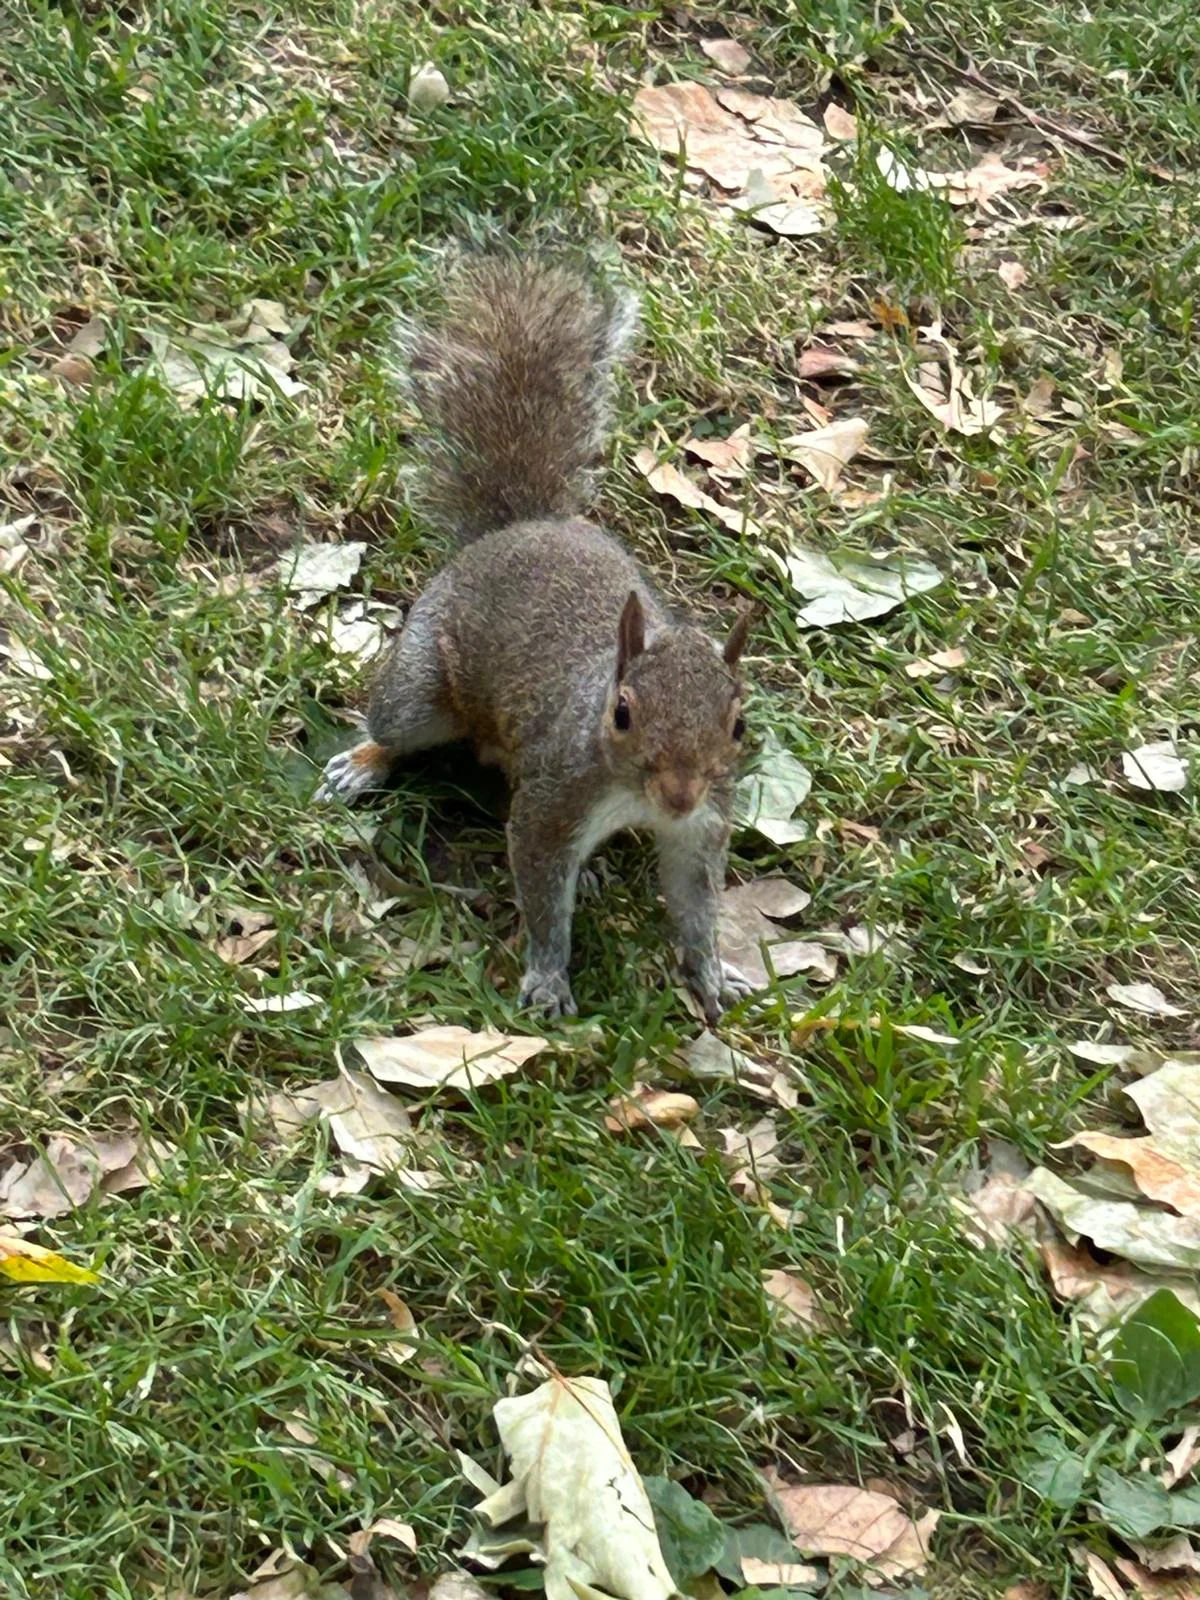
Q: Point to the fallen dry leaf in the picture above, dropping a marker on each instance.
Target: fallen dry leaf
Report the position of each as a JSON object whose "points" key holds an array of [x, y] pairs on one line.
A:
{"points": [[314, 570], [730, 56], [979, 185], [951, 399], [839, 123], [1177, 1555], [278, 1004], [667, 480], [971, 105], [1150, 1585], [793, 1301], [852, 589], [401, 1318], [750, 938], [939, 661], [1145, 998], [13, 549], [72, 1168], [240, 360], [750, 1154], [1001, 1206], [572, 1474], [1155, 766], [840, 1519], [708, 1058], [725, 458], [427, 89], [766, 798], [1099, 1574], [458, 1585], [383, 1528], [825, 361], [448, 1057], [1146, 1236], [825, 452], [237, 948], [1159, 1176], [90, 339], [1182, 1458], [779, 1574], [648, 1107], [1012, 275]]}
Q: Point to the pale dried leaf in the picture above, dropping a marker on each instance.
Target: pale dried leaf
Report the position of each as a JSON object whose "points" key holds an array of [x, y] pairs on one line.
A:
{"points": [[1104, 1292], [1012, 275], [574, 1477], [1149, 1585], [725, 458], [237, 948], [458, 1585], [839, 123], [448, 1057], [1001, 1206], [1159, 1175], [970, 105], [648, 1107], [1177, 1555], [71, 1168], [790, 205], [318, 569], [853, 589], [427, 89], [726, 141], [730, 56], [13, 549], [779, 1574], [709, 1059], [1150, 1238], [1145, 998], [1181, 1460], [794, 1303], [1100, 1576], [294, 1000], [959, 412], [824, 361], [666, 479], [749, 939], [825, 452], [1155, 766], [383, 1528], [841, 1519], [767, 798], [90, 339]]}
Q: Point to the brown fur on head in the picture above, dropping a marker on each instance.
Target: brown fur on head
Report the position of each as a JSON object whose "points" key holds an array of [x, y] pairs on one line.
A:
{"points": [[674, 715]]}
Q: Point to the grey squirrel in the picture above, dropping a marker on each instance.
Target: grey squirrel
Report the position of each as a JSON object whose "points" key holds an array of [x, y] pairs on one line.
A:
{"points": [[542, 642]]}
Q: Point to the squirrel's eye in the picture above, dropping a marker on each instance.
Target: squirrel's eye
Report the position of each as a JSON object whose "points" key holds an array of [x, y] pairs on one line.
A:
{"points": [[739, 728], [621, 714]]}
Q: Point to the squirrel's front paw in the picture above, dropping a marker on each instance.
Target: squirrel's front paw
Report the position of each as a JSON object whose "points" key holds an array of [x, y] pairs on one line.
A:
{"points": [[352, 772], [717, 986], [548, 992]]}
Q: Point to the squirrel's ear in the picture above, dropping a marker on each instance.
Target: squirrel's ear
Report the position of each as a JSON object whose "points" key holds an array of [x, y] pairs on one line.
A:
{"points": [[746, 618], [631, 636]]}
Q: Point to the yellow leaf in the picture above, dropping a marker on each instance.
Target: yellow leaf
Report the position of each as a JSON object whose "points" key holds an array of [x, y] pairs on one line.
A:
{"points": [[30, 1263]]}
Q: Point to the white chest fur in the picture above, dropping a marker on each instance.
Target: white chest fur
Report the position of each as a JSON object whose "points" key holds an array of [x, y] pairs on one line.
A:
{"points": [[619, 809]]}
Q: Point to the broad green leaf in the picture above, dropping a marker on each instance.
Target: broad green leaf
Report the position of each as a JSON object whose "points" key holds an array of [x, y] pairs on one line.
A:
{"points": [[1185, 1507], [692, 1538], [1058, 1478], [1133, 1507], [1156, 1358]]}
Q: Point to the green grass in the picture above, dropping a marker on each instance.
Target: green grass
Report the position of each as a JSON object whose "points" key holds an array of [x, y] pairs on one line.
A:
{"points": [[164, 163]]}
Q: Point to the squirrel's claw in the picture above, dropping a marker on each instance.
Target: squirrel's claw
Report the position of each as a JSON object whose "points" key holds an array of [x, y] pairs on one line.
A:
{"points": [[352, 772], [718, 986], [548, 992]]}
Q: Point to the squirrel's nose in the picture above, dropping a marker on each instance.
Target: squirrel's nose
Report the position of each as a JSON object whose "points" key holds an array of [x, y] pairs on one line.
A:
{"points": [[678, 792]]}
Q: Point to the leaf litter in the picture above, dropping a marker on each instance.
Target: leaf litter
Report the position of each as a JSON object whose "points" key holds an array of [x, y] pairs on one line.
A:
{"points": [[767, 797], [666, 479], [75, 1166], [239, 360], [762, 153], [841, 1519], [751, 939]]}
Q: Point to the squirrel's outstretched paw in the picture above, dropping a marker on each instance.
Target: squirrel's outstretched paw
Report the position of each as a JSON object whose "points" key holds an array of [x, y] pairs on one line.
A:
{"points": [[352, 772], [548, 992], [735, 985]]}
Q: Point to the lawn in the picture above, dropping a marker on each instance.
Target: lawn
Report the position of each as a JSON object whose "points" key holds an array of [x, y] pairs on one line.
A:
{"points": [[234, 1386]]}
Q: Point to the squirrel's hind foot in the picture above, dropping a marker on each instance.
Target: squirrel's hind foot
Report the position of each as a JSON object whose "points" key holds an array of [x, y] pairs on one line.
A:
{"points": [[352, 772], [548, 992]]}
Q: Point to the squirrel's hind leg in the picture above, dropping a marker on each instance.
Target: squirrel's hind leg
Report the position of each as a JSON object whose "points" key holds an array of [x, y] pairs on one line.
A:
{"points": [[409, 711]]}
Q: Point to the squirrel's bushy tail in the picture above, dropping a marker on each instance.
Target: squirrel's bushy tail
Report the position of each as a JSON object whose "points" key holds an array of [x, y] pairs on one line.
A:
{"points": [[513, 387]]}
